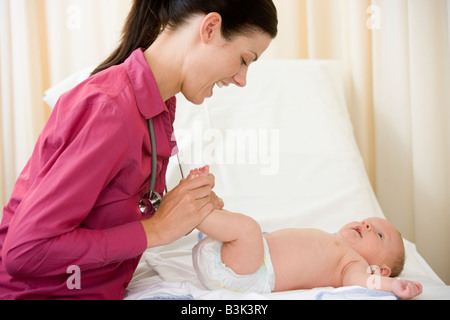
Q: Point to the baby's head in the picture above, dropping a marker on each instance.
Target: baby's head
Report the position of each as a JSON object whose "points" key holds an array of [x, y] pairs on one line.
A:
{"points": [[378, 242]]}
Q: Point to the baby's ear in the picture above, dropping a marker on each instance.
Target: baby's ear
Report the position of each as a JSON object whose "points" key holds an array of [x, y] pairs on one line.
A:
{"points": [[385, 271]]}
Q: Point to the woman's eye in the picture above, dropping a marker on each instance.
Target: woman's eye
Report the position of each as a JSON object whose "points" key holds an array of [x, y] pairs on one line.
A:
{"points": [[380, 235], [244, 63]]}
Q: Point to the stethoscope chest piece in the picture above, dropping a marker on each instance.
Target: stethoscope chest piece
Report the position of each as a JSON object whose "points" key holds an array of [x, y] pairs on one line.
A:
{"points": [[150, 202]]}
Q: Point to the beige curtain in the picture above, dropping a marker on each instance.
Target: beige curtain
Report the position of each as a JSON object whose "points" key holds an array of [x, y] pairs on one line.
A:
{"points": [[41, 43], [22, 59], [396, 62]]}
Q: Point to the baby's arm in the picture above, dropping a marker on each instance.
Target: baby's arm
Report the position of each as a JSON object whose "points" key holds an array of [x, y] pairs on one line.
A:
{"points": [[355, 274]]}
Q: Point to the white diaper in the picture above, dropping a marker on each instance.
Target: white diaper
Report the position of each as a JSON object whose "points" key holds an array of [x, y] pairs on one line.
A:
{"points": [[213, 273]]}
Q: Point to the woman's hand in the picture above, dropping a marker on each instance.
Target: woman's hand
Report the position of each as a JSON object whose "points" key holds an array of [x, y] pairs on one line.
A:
{"points": [[181, 211]]}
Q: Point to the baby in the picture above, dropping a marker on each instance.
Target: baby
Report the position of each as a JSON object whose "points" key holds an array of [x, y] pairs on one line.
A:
{"points": [[236, 256]]}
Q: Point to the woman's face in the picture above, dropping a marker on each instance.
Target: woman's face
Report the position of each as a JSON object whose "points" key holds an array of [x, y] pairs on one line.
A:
{"points": [[221, 62]]}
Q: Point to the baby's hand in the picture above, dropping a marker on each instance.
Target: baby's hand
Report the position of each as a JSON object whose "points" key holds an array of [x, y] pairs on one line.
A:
{"points": [[198, 172], [406, 289]]}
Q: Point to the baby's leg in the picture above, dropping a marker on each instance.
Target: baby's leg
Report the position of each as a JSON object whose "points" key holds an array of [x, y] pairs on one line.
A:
{"points": [[243, 246]]}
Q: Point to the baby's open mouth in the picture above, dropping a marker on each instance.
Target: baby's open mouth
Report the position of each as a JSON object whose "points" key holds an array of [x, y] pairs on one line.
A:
{"points": [[357, 229]]}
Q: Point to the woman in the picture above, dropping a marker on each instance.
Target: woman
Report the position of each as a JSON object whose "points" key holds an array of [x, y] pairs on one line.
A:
{"points": [[73, 227]]}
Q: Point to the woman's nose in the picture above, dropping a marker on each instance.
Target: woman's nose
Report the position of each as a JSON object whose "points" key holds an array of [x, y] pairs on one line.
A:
{"points": [[240, 79]]}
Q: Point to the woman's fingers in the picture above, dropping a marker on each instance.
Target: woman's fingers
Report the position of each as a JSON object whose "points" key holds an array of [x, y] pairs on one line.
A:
{"points": [[181, 211], [198, 181]]}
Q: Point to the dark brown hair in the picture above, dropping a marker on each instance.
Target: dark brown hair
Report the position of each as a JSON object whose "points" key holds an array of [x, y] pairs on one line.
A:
{"points": [[148, 18]]}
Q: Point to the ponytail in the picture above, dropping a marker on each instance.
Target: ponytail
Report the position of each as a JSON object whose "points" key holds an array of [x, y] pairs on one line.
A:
{"points": [[142, 27], [148, 18]]}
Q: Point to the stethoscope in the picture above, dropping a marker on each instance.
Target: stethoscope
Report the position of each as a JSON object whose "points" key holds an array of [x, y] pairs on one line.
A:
{"points": [[151, 200]]}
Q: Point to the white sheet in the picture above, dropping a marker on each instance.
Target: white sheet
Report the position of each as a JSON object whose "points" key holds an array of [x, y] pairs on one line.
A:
{"points": [[283, 151], [175, 279]]}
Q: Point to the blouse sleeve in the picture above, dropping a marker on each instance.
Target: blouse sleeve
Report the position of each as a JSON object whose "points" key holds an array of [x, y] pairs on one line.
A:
{"points": [[46, 234]]}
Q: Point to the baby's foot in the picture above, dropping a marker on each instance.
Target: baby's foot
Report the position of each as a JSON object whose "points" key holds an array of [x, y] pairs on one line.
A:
{"points": [[198, 172]]}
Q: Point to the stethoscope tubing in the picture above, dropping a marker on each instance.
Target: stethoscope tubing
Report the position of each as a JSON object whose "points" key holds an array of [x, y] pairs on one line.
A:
{"points": [[151, 204], [154, 155]]}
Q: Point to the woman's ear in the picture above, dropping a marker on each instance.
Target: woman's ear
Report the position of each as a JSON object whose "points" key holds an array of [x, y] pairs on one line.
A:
{"points": [[211, 27]]}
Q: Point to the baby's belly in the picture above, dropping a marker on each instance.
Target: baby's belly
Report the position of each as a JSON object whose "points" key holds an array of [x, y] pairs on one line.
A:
{"points": [[303, 259]]}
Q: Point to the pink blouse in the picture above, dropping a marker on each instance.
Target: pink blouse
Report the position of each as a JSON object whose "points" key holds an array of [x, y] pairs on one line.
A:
{"points": [[75, 205]]}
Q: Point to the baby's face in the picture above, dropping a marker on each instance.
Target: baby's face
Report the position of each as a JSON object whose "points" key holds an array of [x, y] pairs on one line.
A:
{"points": [[375, 239]]}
